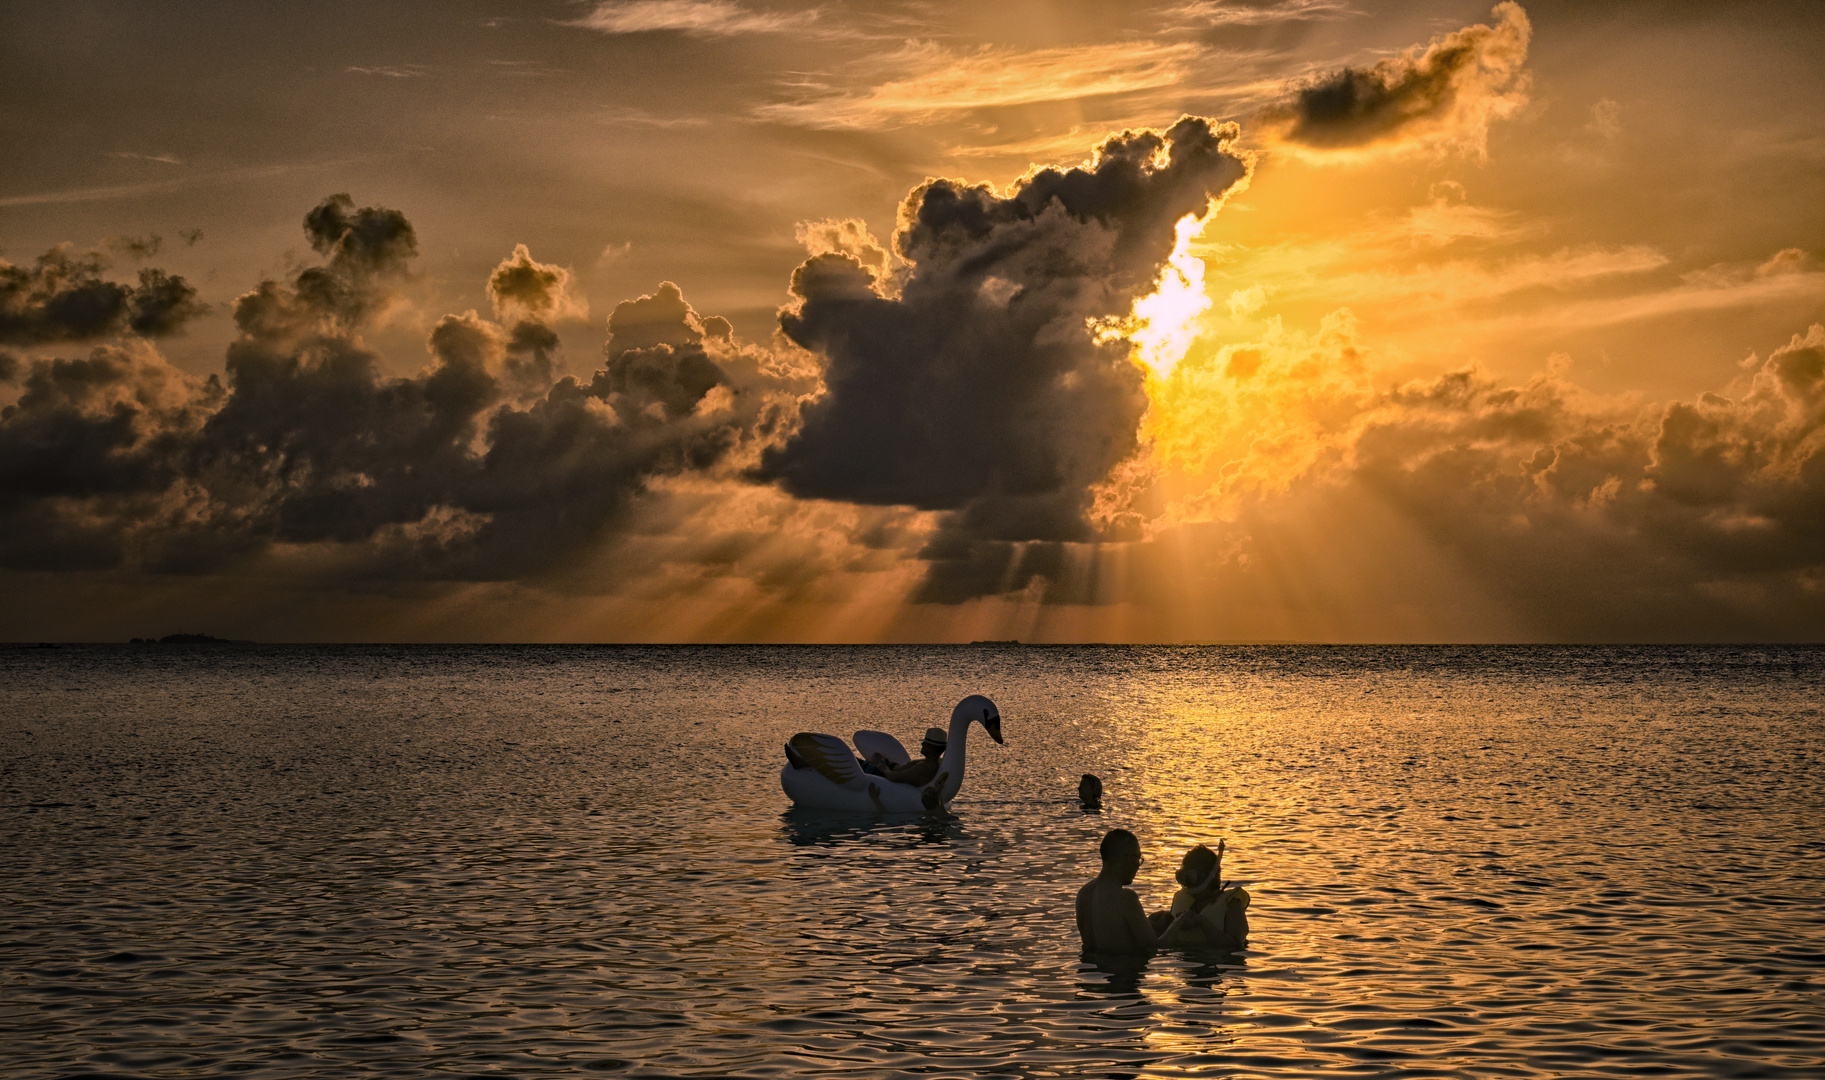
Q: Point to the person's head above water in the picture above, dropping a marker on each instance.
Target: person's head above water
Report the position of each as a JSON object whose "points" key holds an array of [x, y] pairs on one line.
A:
{"points": [[1121, 854], [1198, 870], [934, 743]]}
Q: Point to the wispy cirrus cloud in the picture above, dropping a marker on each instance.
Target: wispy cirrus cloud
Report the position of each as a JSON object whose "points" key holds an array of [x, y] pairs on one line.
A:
{"points": [[935, 81], [390, 71], [1202, 13], [1448, 218], [702, 18], [127, 191], [628, 116], [1358, 272], [162, 159]]}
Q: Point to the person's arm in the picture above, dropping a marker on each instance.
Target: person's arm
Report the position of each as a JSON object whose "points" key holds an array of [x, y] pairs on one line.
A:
{"points": [[1083, 917], [1134, 920], [1188, 922], [1235, 918], [918, 773]]}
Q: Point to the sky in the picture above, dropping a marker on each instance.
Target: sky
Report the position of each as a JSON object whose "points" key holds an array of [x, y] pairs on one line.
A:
{"points": [[707, 320]]}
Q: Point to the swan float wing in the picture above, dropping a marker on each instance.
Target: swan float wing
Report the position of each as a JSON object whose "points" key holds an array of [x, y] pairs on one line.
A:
{"points": [[827, 754], [870, 743]]}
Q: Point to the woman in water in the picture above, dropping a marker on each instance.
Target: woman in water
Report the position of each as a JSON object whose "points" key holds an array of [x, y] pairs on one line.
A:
{"points": [[1226, 910]]}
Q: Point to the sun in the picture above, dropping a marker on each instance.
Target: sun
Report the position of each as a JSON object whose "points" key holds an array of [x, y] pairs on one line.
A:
{"points": [[1163, 323]]}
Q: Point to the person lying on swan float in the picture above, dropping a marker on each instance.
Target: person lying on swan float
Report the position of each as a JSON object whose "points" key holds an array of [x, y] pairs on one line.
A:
{"points": [[822, 771], [882, 762]]}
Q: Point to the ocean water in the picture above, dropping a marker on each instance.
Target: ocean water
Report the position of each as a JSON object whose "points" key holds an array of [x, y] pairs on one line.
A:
{"points": [[556, 861]]}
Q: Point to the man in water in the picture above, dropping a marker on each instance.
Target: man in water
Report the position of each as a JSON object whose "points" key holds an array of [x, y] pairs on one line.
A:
{"points": [[1109, 915], [918, 773]]}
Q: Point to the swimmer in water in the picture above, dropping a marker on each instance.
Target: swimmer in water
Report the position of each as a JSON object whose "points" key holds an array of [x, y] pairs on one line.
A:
{"points": [[1110, 918], [1225, 910]]}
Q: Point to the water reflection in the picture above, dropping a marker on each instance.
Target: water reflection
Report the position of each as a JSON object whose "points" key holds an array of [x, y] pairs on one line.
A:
{"points": [[359, 863], [807, 827], [1112, 974], [1209, 967]]}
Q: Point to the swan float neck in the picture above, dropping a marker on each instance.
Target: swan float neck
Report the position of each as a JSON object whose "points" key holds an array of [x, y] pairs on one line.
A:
{"points": [[972, 709]]}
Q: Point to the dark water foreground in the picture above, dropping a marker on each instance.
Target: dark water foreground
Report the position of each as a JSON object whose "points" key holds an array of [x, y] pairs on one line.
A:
{"points": [[336, 862]]}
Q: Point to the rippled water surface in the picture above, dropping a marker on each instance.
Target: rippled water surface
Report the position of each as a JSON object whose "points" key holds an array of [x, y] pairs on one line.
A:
{"points": [[538, 861]]}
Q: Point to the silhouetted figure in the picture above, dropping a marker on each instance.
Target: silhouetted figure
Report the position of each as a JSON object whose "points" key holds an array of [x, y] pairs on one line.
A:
{"points": [[1090, 792], [1110, 918], [917, 773], [1225, 910]]}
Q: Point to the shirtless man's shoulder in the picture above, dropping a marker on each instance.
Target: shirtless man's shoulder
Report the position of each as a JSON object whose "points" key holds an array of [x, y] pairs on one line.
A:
{"points": [[1106, 912]]}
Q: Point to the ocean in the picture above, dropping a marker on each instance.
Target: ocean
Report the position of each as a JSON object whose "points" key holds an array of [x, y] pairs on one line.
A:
{"points": [[336, 861]]}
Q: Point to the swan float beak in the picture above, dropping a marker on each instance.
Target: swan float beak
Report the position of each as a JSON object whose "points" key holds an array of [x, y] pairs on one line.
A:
{"points": [[993, 725]]}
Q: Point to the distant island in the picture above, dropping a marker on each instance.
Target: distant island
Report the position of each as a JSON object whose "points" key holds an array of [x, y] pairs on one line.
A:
{"points": [[187, 639], [1010, 641], [1242, 641]]}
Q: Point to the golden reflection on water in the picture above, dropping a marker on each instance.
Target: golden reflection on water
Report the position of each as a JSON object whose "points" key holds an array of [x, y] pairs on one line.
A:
{"points": [[1473, 862]]}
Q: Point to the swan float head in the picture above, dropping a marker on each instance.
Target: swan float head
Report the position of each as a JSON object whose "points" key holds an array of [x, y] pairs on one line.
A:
{"points": [[983, 711]]}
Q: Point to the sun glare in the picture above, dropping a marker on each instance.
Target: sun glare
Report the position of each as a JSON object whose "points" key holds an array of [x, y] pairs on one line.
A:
{"points": [[1163, 323]]}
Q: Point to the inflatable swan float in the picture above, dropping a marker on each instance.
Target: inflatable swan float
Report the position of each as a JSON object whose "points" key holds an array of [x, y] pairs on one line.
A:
{"points": [[821, 770]]}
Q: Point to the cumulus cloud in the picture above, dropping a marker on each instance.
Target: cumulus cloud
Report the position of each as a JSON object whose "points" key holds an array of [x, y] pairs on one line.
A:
{"points": [[1443, 97], [850, 238], [367, 249], [520, 286], [978, 387], [87, 452], [1578, 516], [482, 466], [63, 297], [937, 421], [1597, 522]]}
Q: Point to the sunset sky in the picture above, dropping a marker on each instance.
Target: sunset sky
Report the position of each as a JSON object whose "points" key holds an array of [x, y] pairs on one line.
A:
{"points": [[706, 320]]}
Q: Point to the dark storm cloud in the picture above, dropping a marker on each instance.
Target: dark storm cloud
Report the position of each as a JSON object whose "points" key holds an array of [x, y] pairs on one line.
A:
{"points": [[88, 452], [1446, 94], [64, 297], [1574, 517], [1696, 519], [973, 383], [479, 467], [365, 248], [361, 242], [368, 249]]}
